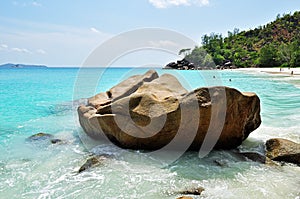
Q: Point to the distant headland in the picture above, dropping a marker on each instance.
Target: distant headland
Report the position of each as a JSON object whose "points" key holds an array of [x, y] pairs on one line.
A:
{"points": [[10, 65]]}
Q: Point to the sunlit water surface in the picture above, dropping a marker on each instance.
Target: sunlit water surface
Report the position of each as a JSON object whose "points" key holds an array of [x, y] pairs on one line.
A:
{"points": [[40, 100]]}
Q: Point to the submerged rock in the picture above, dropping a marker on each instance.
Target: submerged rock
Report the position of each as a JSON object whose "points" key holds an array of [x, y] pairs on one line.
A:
{"points": [[45, 137], [193, 191], [284, 150], [148, 111], [93, 161], [40, 136], [238, 156], [56, 141], [221, 162], [255, 156]]}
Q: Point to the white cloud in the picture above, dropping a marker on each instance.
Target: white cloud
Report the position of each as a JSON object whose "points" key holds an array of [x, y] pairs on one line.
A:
{"points": [[23, 4], [169, 3], [162, 44], [41, 51], [15, 3], [21, 50], [203, 2], [36, 4], [4, 46], [63, 45], [94, 30]]}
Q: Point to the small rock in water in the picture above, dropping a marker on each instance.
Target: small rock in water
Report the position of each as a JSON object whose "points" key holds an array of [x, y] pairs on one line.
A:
{"points": [[194, 191], [185, 197], [254, 156], [221, 163], [283, 150], [92, 162], [56, 141], [40, 136], [45, 137]]}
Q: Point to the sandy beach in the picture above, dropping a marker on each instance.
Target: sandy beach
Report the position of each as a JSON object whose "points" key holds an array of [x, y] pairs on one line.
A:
{"points": [[275, 71]]}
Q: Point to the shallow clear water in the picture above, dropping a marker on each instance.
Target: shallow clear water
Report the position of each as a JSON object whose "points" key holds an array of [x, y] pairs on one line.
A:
{"points": [[40, 100]]}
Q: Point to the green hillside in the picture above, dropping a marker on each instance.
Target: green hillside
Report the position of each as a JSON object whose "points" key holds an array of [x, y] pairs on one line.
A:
{"points": [[272, 45]]}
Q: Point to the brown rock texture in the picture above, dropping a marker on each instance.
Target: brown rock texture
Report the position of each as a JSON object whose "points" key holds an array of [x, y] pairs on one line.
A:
{"points": [[284, 150], [185, 197], [194, 191], [149, 112]]}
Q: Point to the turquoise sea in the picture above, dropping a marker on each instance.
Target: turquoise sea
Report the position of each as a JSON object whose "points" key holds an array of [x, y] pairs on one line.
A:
{"points": [[42, 100]]}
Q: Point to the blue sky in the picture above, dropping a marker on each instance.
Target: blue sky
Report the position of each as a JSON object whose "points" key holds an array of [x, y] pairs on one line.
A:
{"points": [[65, 32]]}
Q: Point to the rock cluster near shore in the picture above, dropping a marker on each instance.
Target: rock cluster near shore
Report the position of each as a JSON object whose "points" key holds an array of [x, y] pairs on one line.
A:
{"points": [[181, 65], [184, 64], [278, 151], [147, 112], [49, 138]]}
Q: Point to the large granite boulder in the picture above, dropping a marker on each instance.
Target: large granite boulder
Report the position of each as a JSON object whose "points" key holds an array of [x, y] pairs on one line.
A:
{"points": [[149, 112], [284, 150]]}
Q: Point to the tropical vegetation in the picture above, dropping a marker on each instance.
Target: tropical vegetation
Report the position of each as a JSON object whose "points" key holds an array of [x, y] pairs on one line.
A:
{"points": [[272, 45]]}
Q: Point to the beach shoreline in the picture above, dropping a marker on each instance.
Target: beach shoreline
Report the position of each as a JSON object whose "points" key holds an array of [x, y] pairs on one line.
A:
{"points": [[274, 71]]}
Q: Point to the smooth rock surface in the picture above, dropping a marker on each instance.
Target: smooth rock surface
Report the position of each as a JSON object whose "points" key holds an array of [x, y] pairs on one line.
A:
{"points": [[284, 150], [123, 89], [148, 112], [93, 161]]}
